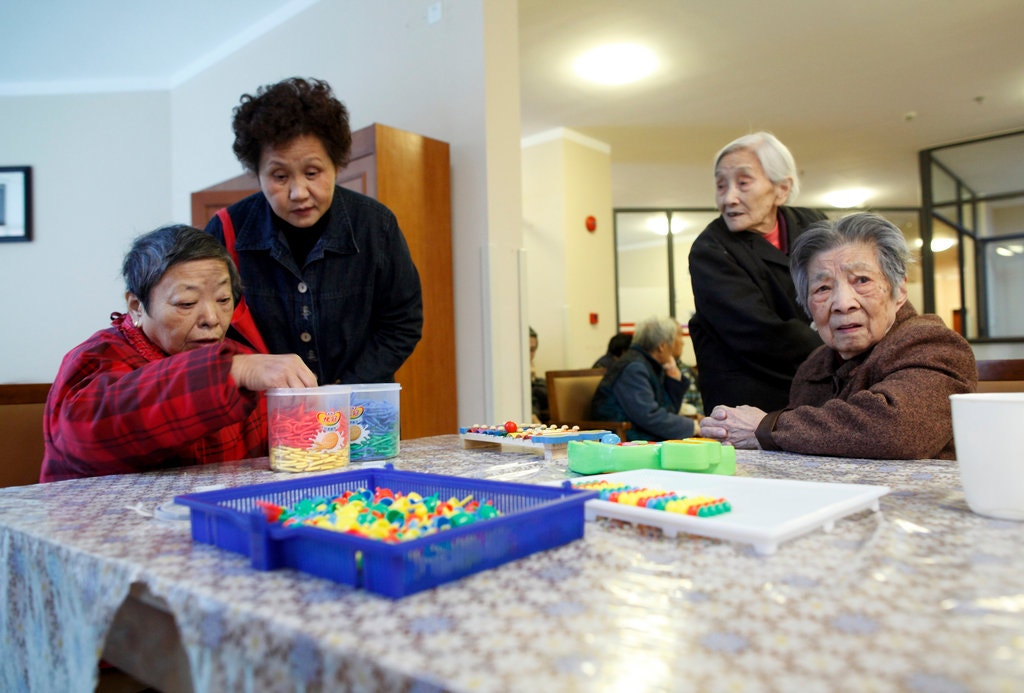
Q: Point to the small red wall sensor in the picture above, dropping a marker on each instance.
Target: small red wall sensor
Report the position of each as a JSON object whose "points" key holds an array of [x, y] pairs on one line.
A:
{"points": [[591, 224], [593, 318]]}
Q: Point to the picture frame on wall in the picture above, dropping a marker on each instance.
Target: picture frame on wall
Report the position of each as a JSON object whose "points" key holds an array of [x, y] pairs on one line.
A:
{"points": [[15, 203]]}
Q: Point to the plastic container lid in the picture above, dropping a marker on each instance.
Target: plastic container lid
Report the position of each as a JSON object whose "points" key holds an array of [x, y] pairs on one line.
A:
{"points": [[305, 391], [366, 387]]}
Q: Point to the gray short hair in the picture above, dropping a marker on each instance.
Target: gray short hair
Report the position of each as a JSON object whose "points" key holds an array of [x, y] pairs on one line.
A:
{"points": [[655, 331], [775, 158], [155, 252], [871, 229]]}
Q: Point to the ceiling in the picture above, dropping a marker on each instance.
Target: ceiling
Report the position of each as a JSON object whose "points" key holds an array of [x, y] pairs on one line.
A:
{"points": [[854, 89], [69, 46]]}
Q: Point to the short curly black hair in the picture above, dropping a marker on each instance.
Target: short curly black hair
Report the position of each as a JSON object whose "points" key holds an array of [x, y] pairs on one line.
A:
{"points": [[280, 112]]}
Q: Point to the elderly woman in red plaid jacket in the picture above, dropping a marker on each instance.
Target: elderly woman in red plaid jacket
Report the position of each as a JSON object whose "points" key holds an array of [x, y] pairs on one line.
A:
{"points": [[164, 386]]}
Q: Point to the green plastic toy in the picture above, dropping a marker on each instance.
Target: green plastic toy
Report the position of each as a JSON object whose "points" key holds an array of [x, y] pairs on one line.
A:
{"points": [[689, 455]]}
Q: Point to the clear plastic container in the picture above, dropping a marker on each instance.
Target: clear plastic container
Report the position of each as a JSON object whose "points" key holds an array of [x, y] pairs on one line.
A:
{"points": [[308, 428], [374, 421]]}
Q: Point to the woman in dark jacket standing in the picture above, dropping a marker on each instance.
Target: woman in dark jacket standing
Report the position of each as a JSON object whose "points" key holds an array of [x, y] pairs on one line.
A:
{"points": [[749, 333], [327, 272]]}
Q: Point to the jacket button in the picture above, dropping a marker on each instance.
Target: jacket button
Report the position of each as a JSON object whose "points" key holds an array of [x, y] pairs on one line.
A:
{"points": [[302, 287], [306, 336]]}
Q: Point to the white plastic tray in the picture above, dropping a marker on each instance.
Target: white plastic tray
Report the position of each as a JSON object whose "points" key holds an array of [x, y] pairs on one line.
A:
{"points": [[765, 512]]}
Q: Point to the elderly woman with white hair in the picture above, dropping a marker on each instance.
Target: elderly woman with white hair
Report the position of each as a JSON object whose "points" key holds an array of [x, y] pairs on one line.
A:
{"points": [[879, 387], [748, 331], [645, 386]]}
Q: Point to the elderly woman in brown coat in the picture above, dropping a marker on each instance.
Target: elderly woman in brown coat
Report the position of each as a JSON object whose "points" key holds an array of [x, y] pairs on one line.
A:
{"points": [[879, 387]]}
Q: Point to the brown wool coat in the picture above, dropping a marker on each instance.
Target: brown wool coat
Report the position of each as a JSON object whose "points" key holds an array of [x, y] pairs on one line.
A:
{"points": [[889, 403]]}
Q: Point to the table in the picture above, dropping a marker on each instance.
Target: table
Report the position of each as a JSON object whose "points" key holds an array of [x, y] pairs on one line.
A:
{"points": [[923, 596]]}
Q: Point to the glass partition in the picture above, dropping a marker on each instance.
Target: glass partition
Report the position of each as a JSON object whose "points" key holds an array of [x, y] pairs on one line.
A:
{"points": [[945, 248], [1004, 280], [653, 267], [642, 264], [974, 192], [968, 326], [967, 241], [653, 264]]}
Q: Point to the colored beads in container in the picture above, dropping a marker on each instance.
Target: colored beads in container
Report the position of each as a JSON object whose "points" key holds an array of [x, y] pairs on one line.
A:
{"points": [[382, 514], [656, 499], [373, 427], [307, 440]]}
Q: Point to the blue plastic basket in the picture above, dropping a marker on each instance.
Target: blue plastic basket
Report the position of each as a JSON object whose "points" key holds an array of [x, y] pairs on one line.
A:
{"points": [[534, 518]]}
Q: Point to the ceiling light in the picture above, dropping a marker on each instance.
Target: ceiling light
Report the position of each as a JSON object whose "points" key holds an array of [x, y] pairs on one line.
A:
{"points": [[938, 244], [617, 63], [659, 225], [851, 197], [1005, 252]]}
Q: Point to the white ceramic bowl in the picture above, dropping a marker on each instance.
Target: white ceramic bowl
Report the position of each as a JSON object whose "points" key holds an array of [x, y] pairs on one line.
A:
{"points": [[988, 429]]}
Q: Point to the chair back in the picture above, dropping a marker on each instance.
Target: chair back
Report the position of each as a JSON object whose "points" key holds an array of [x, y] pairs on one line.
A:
{"points": [[21, 430], [1001, 375], [570, 393]]}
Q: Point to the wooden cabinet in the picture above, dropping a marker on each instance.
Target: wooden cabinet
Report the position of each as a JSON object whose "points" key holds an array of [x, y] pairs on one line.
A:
{"points": [[410, 174]]}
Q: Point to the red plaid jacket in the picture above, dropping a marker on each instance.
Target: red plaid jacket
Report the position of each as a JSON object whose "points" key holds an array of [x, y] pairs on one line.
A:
{"points": [[114, 409]]}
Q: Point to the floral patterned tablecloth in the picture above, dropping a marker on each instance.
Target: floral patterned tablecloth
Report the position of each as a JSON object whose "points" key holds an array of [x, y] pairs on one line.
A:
{"points": [[922, 596]]}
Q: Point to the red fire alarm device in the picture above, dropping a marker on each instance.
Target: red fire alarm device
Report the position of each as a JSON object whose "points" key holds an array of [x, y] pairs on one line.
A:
{"points": [[593, 318], [591, 224]]}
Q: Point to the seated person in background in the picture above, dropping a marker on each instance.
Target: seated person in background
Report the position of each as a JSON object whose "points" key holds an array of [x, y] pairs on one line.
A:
{"points": [[617, 345], [879, 387], [538, 386], [162, 387], [644, 386], [692, 405]]}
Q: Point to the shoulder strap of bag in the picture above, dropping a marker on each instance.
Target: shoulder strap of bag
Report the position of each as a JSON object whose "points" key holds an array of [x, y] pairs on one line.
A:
{"points": [[229, 233], [242, 319]]}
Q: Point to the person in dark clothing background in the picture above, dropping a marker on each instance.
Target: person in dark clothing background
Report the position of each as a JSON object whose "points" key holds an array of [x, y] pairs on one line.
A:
{"points": [[538, 386], [645, 387], [749, 333], [617, 346]]}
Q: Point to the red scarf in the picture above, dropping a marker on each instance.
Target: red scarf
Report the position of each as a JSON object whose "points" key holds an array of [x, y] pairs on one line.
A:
{"points": [[136, 337], [774, 238]]}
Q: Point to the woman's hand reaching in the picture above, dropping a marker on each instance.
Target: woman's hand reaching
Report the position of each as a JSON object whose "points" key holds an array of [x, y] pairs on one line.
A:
{"points": [[263, 371]]}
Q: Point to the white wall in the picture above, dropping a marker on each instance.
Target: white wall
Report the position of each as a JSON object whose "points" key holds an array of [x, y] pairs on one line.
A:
{"points": [[544, 203], [589, 270], [100, 176], [389, 66], [571, 271], [111, 166]]}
